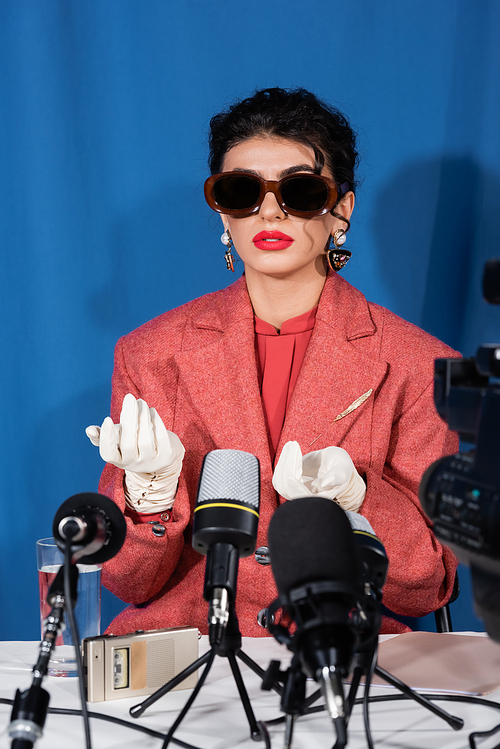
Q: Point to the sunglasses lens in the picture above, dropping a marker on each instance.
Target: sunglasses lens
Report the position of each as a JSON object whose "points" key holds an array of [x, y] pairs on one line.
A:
{"points": [[236, 192], [304, 193]]}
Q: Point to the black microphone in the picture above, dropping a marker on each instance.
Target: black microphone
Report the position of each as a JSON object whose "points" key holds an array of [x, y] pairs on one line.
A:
{"points": [[225, 523], [372, 555], [95, 526], [373, 570], [315, 563], [373, 566]]}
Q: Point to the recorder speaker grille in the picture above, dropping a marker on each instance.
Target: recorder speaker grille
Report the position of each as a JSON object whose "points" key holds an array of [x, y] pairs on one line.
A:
{"points": [[160, 662]]}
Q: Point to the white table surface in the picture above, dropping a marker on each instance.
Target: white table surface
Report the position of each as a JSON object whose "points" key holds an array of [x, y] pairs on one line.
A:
{"points": [[217, 720]]}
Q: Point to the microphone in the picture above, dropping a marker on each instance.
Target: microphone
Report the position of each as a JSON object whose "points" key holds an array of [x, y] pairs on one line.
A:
{"points": [[315, 563], [373, 573], [372, 555], [225, 523], [95, 526]]}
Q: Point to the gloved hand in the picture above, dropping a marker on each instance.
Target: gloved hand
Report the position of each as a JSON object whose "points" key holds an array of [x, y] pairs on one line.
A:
{"points": [[328, 473], [150, 455]]}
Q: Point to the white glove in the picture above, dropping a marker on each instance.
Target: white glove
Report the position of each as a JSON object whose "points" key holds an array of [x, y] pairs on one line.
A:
{"points": [[150, 455], [328, 473]]}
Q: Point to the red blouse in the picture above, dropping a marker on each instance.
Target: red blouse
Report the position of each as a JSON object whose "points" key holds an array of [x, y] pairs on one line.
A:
{"points": [[279, 359]]}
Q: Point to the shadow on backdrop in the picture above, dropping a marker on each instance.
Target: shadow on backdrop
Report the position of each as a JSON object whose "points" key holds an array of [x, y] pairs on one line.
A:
{"points": [[435, 224]]}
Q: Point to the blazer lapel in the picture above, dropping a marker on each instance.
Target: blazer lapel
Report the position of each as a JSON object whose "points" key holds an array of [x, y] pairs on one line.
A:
{"points": [[220, 377], [332, 403]]}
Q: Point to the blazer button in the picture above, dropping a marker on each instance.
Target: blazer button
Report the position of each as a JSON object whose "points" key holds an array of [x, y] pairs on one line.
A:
{"points": [[263, 618], [157, 527], [262, 556]]}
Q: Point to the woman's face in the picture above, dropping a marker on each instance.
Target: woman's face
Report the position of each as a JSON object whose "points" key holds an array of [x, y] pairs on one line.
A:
{"points": [[302, 249]]}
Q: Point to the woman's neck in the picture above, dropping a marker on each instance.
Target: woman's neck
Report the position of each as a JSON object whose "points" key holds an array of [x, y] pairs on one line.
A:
{"points": [[275, 300]]}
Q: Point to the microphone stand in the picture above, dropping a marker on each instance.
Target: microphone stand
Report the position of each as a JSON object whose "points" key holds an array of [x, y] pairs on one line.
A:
{"points": [[294, 703], [293, 696], [30, 707], [366, 663], [229, 647]]}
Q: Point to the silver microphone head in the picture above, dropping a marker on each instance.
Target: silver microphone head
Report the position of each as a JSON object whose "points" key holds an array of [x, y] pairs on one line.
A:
{"points": [[359, 522], [227, 506], [230, 476]]}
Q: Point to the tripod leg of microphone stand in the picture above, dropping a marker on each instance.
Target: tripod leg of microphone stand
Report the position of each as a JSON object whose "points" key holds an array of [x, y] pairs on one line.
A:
{"points": [[356, 678], [365, 663], [289, 726], [255, 732], [183, 713], [257, 670], [452, 720], [137, 710], [312, 698]]}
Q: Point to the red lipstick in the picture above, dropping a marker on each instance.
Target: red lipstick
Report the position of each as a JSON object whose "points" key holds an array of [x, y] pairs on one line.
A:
{"points": [[272, 240]]}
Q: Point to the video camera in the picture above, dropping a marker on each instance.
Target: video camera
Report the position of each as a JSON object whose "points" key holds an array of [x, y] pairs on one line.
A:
{"points": [[461, 493]]}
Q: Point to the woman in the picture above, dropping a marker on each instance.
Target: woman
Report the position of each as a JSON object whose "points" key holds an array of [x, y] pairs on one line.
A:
{"points": [[291, 355]]}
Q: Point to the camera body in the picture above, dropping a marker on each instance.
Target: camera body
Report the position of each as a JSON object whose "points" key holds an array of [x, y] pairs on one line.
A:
{"points": [[119, 666], [461, 493]]}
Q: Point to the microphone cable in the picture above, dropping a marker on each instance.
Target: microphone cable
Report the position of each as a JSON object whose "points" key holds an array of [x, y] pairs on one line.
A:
{"points": [[366, 699], [399, 697], [281, 719], [75, 636], [483, 735], [450, 698], [110, 719]]}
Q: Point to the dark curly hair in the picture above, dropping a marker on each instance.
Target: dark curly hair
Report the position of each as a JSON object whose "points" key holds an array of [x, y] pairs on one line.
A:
{"points": [[295, 114]]}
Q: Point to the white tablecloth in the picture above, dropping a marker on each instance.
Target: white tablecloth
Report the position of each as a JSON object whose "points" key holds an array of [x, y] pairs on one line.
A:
{"points": [[217, 719]]}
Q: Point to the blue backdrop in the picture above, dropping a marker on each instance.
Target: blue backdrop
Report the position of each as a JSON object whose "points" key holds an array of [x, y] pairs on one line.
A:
{"points": [[104, 113]]}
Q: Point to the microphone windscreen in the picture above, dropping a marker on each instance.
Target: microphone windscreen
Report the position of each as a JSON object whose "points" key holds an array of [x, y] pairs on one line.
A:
{"points": [[84, 505], [311, 540], [230, 476]]}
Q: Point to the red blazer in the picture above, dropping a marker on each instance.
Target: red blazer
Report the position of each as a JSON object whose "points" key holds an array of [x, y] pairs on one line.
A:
{"points": [[197, 366]]}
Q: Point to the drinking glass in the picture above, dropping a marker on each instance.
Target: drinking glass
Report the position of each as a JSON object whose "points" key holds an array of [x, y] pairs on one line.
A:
{"points": [[87, 610]]}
